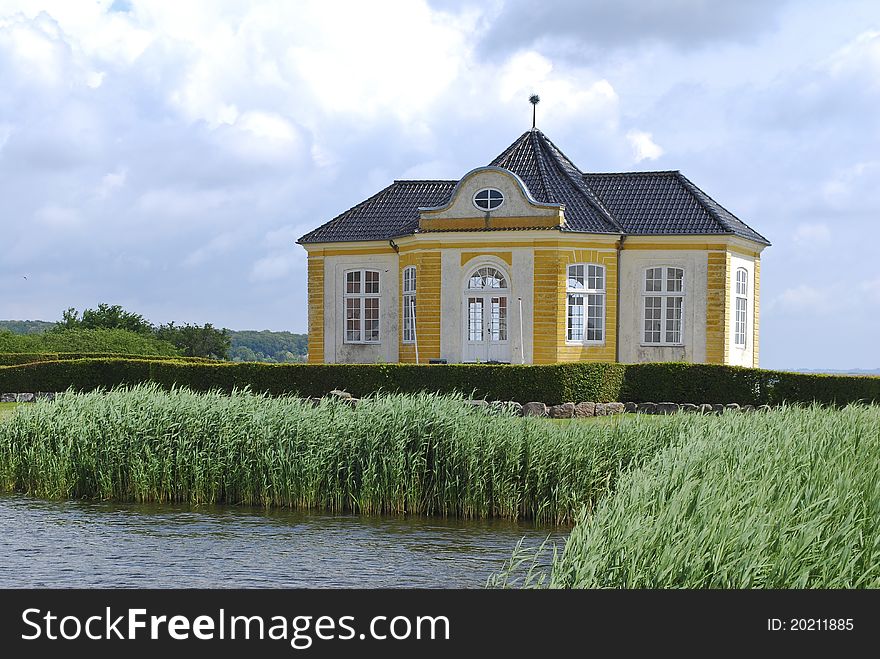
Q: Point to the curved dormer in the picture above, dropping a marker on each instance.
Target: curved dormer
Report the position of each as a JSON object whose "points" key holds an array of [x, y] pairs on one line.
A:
{"points": [[491, 198]]}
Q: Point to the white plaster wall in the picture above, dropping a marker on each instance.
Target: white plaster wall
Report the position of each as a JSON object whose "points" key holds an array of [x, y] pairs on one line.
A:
{"points": [[454, 275], [335, 349], [738, 355], [515, 203], [632, 273]]}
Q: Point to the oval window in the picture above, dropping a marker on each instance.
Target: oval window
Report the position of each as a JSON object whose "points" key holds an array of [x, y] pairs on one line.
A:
{"points": [[488, 199]]}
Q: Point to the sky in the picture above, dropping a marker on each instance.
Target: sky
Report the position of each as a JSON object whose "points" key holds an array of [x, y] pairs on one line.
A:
{"points": [[166, 156]]}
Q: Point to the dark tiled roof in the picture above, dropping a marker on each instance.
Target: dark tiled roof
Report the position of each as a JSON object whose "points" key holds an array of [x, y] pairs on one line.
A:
{"points": [[635, 203], [665, 203], [553, 178], [390, 213]]}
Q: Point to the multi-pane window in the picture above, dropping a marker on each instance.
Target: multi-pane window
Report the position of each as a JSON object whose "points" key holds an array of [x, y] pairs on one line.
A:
{"points": [[664, 305], [361, 306], [585, 288], [498, 319], [742, 305], [486, 277], [409, 304], [488, 199]]}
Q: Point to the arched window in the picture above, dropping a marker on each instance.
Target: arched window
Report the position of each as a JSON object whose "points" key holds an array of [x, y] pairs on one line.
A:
{"points": [[663, 296], [361, 306], [742, 305], [585, 290], [409, 304], [486, 278]]}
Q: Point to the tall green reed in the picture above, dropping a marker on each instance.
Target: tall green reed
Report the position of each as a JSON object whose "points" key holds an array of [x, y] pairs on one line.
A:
{"points": [[787, 499], [400, 454]]}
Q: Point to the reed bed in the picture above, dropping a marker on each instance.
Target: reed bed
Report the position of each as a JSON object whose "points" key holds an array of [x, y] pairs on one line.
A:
{"points": [[399, 454], [787, 499]]}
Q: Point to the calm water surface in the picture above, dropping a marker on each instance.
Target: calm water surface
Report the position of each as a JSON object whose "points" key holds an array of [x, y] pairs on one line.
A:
{"points": [[66, 544]]}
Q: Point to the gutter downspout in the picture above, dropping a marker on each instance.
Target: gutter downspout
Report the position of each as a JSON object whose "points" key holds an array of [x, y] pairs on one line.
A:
{"points": [[617, 303]]}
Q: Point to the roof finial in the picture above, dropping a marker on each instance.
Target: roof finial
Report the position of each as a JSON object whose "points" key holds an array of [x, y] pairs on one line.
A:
{"points": [[534, 99]]}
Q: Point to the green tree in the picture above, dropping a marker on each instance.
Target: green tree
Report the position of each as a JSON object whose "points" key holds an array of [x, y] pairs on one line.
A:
{"points": [[196, 340], [105, 317]]}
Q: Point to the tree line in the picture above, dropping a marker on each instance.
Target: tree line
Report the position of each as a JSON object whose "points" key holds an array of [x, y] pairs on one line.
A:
{"points": [[111, 328]]}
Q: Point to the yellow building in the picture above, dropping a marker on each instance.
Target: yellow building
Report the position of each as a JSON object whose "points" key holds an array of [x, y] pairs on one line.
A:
{"points": [[530, 260]]}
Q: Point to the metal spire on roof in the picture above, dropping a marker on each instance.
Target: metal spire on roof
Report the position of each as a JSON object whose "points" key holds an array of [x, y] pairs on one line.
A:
{"points": [[534, 99]]}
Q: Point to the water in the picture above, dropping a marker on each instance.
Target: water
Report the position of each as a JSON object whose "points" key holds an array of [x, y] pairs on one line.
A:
{"points": [[68, 544]]}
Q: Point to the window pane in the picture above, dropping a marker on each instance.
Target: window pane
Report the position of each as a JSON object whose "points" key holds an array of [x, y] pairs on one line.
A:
{"points": [[475, 319], [353, 282], [488, 199], [486, 278], [595, 317], [353, 319], [596, 278], [498, 320], [742, 281], [409, 331], [653, 310], [654, 280], [575, 324], [576, 277], [740, 322], [674, 279], [409, 279], [371, 282], [371, 319], [673, 319]]}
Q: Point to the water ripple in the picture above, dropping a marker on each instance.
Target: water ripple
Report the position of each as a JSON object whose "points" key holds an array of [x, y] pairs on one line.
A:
{"points": [[67, 544]]}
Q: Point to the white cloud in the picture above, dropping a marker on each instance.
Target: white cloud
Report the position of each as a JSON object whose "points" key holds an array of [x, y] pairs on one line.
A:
{"points": [[860, 57], [217, 246], [852, 181], [274, 266], [58, 217], [213, 133], [110, 182], [643, 145], [567, 95]]}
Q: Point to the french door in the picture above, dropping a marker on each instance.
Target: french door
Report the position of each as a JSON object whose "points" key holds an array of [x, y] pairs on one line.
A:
{"points": [[486, 327]]}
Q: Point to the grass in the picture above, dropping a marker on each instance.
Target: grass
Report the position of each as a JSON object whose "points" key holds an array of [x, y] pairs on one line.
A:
{"points": [[787, 499], [6, 409], [399, 454]]}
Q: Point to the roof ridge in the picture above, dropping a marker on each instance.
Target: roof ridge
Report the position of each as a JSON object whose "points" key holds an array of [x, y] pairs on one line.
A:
{"points": [[542, 174], [581, 185], [426, 180], [348, 210], [697, 192], [510, 147], [724, 223], [635, 173]]}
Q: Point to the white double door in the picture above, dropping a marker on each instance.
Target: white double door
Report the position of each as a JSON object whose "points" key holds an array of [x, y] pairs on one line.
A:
{"points": [[486, 327]]}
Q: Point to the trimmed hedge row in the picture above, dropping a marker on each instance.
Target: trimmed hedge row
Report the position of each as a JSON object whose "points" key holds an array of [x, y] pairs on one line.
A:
{"points": [[556, 383], [552, 384], [16, 358], [712, 383]]}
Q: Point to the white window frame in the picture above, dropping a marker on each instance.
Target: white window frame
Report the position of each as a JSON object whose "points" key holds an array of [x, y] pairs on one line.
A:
{"points": [[410, 283], [362, 296], [585, 293], [741, 287], [490, 190], [667, 298]]}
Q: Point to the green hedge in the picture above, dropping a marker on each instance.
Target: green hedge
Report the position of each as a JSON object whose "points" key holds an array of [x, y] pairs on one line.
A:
{"points": [[557, 383], [712, 383], [16, 358]]}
